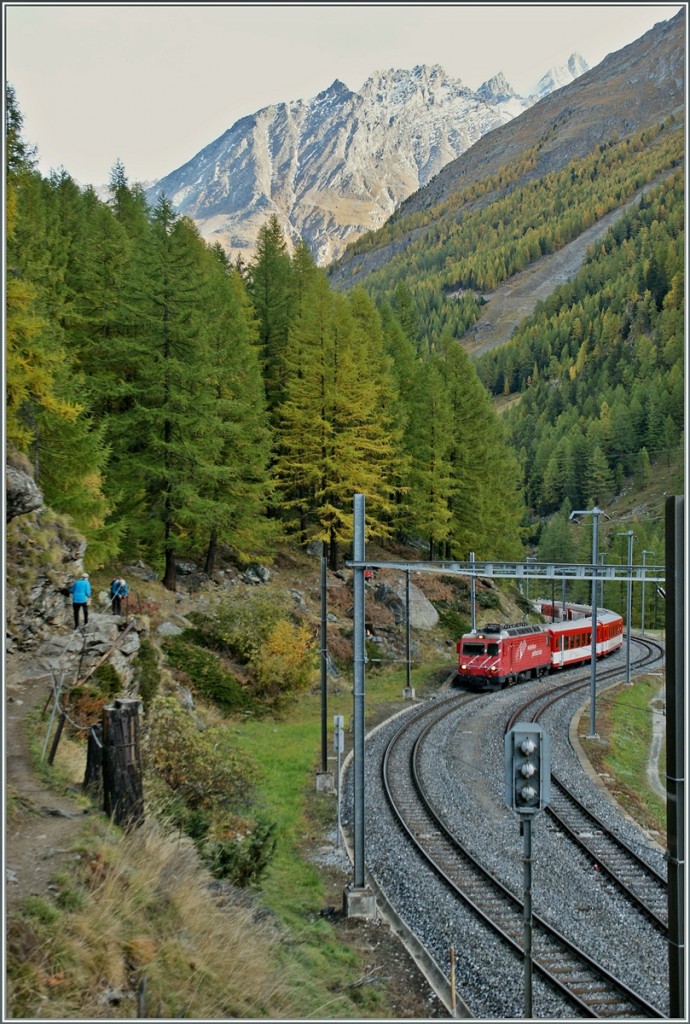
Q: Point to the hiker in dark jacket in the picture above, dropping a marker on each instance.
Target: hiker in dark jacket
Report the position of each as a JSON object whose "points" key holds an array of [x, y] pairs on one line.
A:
{"points": [[118, 590]]}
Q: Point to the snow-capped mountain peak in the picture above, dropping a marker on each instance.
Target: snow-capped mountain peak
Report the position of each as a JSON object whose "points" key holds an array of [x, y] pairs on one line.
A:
{"points": [[339, 164], [560, 75]]}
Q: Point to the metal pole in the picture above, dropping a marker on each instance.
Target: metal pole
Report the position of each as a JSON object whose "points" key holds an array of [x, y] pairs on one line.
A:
{"points": [[324, 667], [407, 628], [628, 614], [593, 680], [527, 911], [644, 562], [675, 749], [473, 616], [528, 559], [358, 691], [595, 513], [338, 722]]}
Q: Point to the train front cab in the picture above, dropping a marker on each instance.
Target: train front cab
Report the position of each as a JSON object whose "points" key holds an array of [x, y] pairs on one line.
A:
{"points": [[479, 662]]}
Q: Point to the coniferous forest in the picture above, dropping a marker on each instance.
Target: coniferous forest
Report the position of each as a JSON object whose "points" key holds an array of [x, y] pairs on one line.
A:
{"points": [[175, 404]]}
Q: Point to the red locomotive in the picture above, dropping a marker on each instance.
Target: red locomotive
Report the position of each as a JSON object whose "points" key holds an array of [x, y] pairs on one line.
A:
{"points": [[496, 656]]}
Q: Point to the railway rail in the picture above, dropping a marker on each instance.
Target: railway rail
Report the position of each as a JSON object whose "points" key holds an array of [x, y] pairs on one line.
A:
{"points": [[645, 887], [591, 990], [579, 985]]}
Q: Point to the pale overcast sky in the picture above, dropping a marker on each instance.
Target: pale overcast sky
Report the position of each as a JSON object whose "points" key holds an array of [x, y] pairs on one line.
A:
{"points": [[152, 84]]}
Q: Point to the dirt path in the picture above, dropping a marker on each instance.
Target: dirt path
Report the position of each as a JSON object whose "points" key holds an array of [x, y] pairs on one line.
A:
{"points": [[654, 772], [42, 826]]}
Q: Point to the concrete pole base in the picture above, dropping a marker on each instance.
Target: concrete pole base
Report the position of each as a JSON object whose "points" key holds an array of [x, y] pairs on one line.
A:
{"points": [[359, 902], [408, 692], [325, 782]]}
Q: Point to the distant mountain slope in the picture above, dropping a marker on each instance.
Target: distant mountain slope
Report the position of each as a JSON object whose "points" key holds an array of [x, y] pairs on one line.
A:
{"points": [[335, 166], [517, 298], [631, 89]]}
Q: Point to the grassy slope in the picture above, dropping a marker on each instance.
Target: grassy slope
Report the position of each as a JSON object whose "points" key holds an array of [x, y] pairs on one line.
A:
{"points": [[135, 916]]}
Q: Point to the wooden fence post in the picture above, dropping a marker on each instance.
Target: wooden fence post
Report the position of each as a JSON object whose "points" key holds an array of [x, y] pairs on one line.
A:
{"points": [[93, 775], [123, 795]]}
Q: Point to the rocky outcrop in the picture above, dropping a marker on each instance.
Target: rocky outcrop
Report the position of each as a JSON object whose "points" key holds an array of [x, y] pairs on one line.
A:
{"points": [[43, 555], [21, 493], [72, 656], [423, 615]]}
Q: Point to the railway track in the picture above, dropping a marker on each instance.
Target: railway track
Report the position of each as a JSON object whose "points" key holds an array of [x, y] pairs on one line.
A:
{"points": [[586, 986], [641, 884]]}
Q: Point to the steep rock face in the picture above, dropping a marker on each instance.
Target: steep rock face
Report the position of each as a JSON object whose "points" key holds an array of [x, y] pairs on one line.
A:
{"points": [[335, 166], [21, 493], [43, 556]]}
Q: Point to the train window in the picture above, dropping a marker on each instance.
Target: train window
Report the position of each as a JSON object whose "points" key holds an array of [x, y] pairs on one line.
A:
{"points": [[468, 648], [492, 649]]}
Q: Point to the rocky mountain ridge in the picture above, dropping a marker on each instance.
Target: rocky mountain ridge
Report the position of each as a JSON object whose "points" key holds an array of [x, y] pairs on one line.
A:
{"points": [[338, 165], [632, 89]]}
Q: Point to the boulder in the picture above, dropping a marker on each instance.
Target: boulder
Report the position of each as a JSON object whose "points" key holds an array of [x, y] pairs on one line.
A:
{"points": [[423, 615], [21, 493]]}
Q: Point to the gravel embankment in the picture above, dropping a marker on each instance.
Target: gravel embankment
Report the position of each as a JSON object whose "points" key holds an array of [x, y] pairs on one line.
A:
{"points": [[463, 765]]}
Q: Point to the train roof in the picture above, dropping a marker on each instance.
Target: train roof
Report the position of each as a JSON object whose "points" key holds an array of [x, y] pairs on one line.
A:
{"points": [[506, 629], [604, 617]]}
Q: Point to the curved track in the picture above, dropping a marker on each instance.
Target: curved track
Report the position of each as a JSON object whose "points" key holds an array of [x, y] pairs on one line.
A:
{"points": [[591, 990], [639, 883]]}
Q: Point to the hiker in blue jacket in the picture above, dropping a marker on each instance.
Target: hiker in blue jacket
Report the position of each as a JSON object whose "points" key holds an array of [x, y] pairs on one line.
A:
{"points": [[81, 592]]}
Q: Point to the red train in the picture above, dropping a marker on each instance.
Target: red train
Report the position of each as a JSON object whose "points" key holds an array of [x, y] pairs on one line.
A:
{"points": [[496, 656]]}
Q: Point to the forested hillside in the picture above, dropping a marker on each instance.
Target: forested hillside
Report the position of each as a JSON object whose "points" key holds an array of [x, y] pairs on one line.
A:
{"points": [[465, 246], [173, 404], [600, 364]]}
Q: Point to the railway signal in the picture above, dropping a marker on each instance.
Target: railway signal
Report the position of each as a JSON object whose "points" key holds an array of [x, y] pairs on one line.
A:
{"points": [[527, 750], [527, 756]]}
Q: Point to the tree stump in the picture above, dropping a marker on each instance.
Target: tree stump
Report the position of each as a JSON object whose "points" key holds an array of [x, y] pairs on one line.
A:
{"points": [[123, 794]]}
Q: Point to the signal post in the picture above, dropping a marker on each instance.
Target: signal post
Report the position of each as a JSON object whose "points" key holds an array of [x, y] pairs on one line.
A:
{"points": [[527, 757]]}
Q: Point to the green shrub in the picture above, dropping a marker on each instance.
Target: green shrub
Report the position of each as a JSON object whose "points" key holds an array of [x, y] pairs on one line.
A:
{"points": [[453, 621], [209, 790], [108, 679], [242, 859], [243, 626], [147, 672], [206, 673], [488, 598]]}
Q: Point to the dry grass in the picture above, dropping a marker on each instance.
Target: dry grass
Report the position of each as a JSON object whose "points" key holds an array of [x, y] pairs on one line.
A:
{"points": [[141, 930]]}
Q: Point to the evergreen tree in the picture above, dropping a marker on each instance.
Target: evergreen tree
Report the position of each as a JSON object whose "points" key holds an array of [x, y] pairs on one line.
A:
{"points": [[270, 288], [235, 495], [48, 409], [432, 484], [162, 449], [332, 441], [487, 502]]}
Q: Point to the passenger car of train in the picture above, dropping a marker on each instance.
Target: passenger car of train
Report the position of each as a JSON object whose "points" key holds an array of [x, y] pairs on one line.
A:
{"points": [[497, 655]]}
